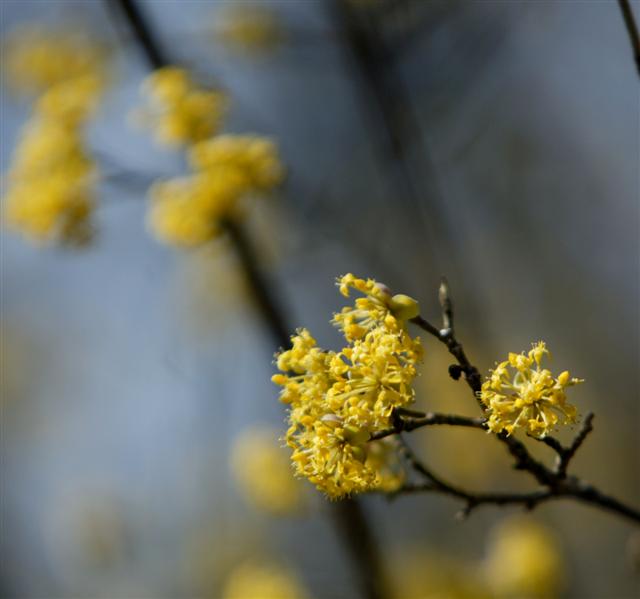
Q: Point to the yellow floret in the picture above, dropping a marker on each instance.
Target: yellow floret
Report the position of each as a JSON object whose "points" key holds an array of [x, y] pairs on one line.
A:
{"points": [[531, 398]]}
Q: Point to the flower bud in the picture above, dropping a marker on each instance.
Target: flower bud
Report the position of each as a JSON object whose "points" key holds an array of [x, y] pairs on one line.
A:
{"points": [[404, 307]]}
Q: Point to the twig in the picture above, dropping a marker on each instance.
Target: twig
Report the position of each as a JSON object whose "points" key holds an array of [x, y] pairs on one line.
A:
{"points": [[446, 305], [430, 419], [556, 483], [632, 30], [565, 454], [447, 336], [435, 484]]}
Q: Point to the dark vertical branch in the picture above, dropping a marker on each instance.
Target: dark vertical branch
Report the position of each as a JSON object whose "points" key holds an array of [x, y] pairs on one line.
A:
{"points": [[143, 35], [272, 312], [353, 527], [632, 29]]}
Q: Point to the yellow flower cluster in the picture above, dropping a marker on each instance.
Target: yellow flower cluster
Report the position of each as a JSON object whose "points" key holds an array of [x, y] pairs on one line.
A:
{"points": [[249, 28], [49, 187], [263, 580], [521, 394], [180, 111], [35, 59], [523, 560], [188, 211], [338, 399], [263, 472]]}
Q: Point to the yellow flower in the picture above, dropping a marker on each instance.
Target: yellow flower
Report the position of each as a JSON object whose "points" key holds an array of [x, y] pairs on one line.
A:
{"points": [[263, 472], [48, 192], [521, 394], [252, 29], [72, 101], [524, 560], [383, 459], [186, 211], [263, 581], [37, 59], [429, 573], [254, 158], [180, 111], [377, 308], [338, 399], [53, 208]]}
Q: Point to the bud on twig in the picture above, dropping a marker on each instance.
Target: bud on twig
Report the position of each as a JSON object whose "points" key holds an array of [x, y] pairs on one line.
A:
{"points": [[446, 305]]}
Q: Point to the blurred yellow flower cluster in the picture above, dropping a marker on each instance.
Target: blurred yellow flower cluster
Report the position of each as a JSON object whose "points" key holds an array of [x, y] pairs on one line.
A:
{"points": [[263, 472], [522, 561], [189, 211], [249, 28], [263, 581], [531, 398], [36, 58], [49, 187], [180, 111], [338, 399]]}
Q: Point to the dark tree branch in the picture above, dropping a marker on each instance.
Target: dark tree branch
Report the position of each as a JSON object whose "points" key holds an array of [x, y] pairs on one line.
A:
{"points": [[632, 30], [144, 36], [565, 454], [555, 482], [430, 419], [354, 529]]}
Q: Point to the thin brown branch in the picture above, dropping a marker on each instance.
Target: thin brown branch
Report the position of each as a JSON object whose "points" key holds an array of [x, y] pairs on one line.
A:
{"points": [[447, 336], [430, 419], [556, 488], [435, 484], [555, 482], [565, 454]]}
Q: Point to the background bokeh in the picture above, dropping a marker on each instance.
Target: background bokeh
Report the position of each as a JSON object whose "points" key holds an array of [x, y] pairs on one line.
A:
{"points": [[129, 368]]}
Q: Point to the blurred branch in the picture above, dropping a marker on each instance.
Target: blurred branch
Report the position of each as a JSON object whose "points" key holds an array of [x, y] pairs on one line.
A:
{"points": [[632, 29], [353, 526]]}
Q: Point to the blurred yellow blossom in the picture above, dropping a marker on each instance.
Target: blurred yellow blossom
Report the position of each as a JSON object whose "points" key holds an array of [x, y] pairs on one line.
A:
{"points": [[338, 399], [524, 560], [48, 191], [36, 58], [254, 159], [263, 581], [187, 211], [263, 471], [531, 398], [421, 573], [179, 110], [249, 28]]}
